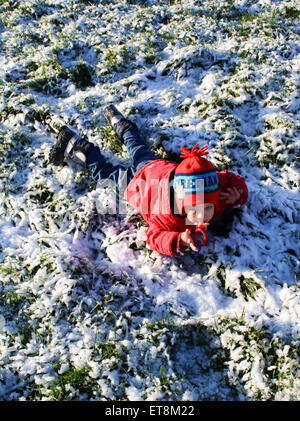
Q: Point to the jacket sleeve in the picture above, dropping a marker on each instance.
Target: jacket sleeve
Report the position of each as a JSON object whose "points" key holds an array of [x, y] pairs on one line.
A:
{"points": [[233, 180], [164, 242]]}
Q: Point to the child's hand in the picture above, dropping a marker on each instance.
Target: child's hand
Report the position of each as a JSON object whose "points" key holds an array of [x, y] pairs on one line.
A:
{"points": [[186, 240], [230, 196]]}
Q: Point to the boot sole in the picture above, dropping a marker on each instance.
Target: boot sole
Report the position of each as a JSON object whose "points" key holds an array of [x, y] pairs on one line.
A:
{"points": [[111, 111], [56, 156]]}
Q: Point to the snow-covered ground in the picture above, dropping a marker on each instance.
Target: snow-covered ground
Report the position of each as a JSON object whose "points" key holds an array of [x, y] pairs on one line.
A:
{"points": [[87, 311]]}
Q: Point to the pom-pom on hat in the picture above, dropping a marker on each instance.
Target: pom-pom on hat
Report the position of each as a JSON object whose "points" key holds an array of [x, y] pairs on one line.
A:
{"points": [[195, 179]]}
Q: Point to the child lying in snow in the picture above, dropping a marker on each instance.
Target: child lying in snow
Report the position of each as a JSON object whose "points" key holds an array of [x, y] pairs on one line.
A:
{"points": [[176, 200]]}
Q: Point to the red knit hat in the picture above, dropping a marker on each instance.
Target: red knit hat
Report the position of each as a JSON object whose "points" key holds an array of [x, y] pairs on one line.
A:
{"points": [[195, 179]]}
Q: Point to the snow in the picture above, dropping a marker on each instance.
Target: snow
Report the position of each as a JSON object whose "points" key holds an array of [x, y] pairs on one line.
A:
{"points": [[79, 288]]}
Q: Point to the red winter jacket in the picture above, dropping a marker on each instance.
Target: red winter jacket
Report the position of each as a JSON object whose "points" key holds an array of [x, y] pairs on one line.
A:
{"points": [[148, 192]]}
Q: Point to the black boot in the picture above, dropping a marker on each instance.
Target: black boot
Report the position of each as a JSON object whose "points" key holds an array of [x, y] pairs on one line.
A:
{"points": [[112, 114], [116, 120], [69, 145]]}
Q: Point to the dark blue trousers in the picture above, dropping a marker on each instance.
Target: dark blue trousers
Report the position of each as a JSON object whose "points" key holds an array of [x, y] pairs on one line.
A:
{"points": [[100, 168]]}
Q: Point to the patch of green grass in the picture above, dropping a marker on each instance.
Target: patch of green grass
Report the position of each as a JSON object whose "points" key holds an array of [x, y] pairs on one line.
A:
{"points": [[249, 287], [246, 17], [64, 386], [150, 52], [24, 333], [224, 160], [278, 360], [175, 2], [278, 123], [163, 153], [43, 75], [292, 12], [14, 156], [7, 111], [40, 193], [82, 75], [8, 294], [111, 59], [116, 59], [110, 137], [39, 113], [268, 155]]}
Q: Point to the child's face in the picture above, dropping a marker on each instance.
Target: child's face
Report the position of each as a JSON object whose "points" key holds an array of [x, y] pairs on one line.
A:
{"points": [[200, 214]]}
